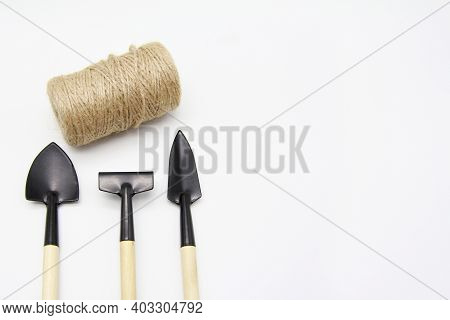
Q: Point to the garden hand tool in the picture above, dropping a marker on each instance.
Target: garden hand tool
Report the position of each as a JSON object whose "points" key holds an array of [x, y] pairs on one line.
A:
{"points": [[52, 180], [126, 185], [184, 189]]}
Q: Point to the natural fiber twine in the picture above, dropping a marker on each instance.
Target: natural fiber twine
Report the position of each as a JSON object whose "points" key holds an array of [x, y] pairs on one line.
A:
{"points": [[115, 94]]}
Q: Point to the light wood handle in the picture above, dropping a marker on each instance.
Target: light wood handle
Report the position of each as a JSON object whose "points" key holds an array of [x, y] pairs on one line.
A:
{"points": [[189, 266], [50, 273], [127, 270]]}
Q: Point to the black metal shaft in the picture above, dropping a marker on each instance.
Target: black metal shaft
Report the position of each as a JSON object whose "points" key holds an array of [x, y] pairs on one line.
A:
{"points": [[51, 222], [126, 214], [187, 229]]}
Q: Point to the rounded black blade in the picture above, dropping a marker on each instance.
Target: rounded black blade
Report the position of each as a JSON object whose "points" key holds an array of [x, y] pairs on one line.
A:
{"points": [[52, 172], [183, 177]]}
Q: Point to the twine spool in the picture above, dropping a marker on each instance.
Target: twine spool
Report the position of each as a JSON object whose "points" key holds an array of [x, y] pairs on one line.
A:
{"points": [[116, 94]]}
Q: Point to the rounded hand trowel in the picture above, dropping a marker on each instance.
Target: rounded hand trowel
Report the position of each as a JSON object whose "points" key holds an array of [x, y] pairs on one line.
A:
{"points": [[52, 180], [184, 189]]}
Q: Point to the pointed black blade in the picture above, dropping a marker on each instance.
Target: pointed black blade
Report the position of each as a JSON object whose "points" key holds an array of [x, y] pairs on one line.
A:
{"points": [[183, 177], [52, 172]]}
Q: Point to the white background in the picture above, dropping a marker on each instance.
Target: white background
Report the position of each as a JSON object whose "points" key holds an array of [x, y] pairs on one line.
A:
{"points": [[378, 149]]}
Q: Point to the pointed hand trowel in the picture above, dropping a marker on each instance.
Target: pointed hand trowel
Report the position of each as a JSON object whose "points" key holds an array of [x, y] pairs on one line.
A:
{"points": [[52, 180], [126, 185], [184, 189]]}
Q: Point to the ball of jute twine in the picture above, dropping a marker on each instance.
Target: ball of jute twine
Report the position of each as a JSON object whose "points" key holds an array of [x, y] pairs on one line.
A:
{"points": [[115, 94]]}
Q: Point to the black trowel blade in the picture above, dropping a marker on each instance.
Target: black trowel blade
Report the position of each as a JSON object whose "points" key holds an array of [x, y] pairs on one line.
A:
{"points": [[52, 172], [183, 177]]}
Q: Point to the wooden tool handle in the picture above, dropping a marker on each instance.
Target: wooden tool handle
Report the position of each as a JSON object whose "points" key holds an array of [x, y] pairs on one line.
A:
{"points": [[50, 273], [189, 266], [127, 270]]}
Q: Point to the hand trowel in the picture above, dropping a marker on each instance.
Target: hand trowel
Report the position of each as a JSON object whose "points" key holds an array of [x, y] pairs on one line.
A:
{"points": [[52, 180], [184, 189]]}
